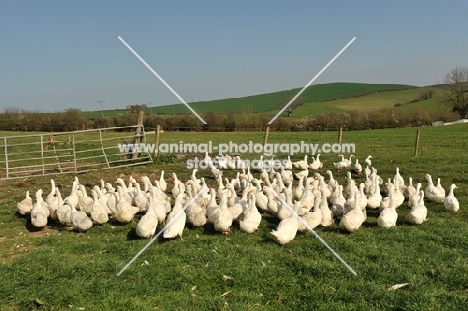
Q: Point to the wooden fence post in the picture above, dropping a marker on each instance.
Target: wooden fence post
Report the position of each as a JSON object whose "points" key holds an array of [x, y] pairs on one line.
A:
{"points": [[340, 135], [141, 115], [156, 143], [138, 134], [265, 139], [416, 146]]}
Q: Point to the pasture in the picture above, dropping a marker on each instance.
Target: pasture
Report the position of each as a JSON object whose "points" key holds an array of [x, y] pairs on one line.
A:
{"points": [[57, 269]]}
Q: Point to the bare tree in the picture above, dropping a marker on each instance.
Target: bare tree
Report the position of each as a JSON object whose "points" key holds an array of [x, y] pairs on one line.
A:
{"points": [[457, 83]]}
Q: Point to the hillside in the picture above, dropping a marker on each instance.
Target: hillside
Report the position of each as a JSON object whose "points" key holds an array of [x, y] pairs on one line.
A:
{"points": [[271, 101], [399, 100]]}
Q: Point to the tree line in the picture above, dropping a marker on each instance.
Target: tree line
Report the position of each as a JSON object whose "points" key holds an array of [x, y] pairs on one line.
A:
{"points": [[70, 120]]}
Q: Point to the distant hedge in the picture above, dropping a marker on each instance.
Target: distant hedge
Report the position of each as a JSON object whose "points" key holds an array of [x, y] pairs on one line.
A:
{"points": [[13, 119]]}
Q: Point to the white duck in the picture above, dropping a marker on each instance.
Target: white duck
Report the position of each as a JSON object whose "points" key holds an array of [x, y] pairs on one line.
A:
{"points": [[353, 220], [327, 215], [272, 204], [223, 219], [80, 220], [410, 189], [312, 219], [388, 216], [362, 199], [332, 183], [368, 161], [159, 204], [351, 200], [357, 168], [343, 164], [302, 164], [373, 201], [450, 201], [162, 182], [26, 205], [286, 175], [196, 214], [338, 206], [351, 184], [64, 212], [349, 161], [85, 202], [54, 205], [441, 189], [399, 197], [72, 199], [285, 210], [212, 207], [261, 200], [39, 213], [302, 174], [51, 197], [419, 211], [288, 164], [176, 219], [139, 198], [398, 177], [286, 230], [98, 211], [432, 192], [146, 226], [316, 163], [124, 210], [239, 205], [414, 199], [299, 189], [251, 217]]}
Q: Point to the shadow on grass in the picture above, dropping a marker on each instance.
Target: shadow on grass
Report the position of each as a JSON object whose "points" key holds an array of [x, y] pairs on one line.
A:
{"points": [[51, 224], [131, 235]]}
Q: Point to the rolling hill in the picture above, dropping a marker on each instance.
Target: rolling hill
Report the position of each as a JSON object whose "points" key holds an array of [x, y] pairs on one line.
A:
{"points": [[318, 99], [271, 101]]}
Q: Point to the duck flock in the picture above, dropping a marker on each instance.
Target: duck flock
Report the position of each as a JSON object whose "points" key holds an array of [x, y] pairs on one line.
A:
{"points": [[301, 201]]}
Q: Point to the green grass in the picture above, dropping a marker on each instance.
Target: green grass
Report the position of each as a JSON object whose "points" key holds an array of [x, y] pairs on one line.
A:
{"points": [[58, 269], [266, 102], [369, 103]]}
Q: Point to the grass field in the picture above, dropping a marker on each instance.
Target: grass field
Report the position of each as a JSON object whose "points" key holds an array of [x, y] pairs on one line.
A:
{"points": [[369, 103], [57, 269]]}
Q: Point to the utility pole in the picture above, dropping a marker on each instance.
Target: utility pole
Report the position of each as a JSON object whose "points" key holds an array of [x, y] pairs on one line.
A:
{"points": [[102, 111]]}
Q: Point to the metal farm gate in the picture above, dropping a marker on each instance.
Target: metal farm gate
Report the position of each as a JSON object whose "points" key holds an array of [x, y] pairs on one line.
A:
{"points": [[72, 152]]}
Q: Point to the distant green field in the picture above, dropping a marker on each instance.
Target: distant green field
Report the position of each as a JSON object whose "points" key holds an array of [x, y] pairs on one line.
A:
{"points": [[368, 103], [271, 101], [268, 102]]}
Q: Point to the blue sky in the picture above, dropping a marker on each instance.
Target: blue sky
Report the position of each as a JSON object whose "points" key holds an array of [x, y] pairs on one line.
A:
{"points": [[60, 54]]}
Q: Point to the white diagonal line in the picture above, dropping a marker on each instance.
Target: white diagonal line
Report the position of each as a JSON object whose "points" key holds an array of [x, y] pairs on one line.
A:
{"points": [[162, 80], [313, 79], [313, 231], [160, 232]]}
